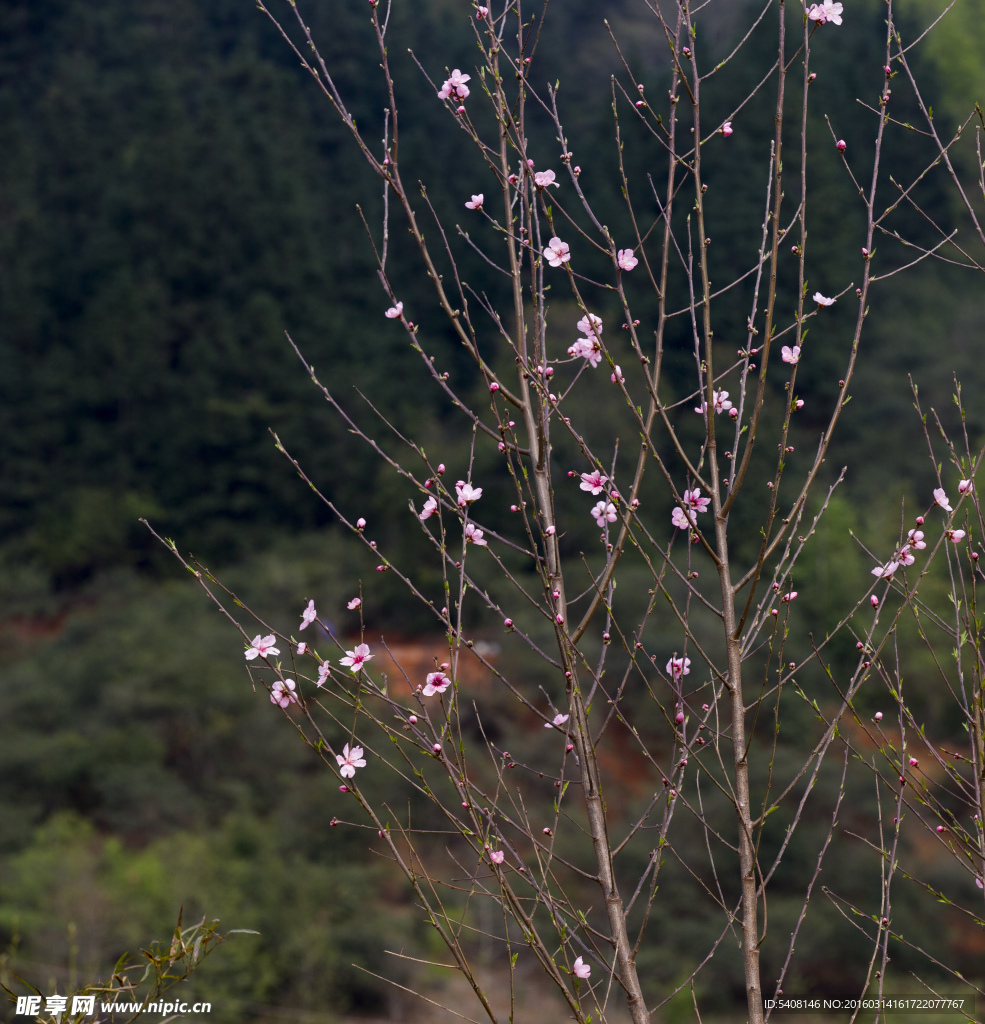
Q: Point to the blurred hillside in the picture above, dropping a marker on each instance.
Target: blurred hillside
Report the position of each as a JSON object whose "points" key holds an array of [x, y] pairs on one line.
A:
{"points": [[175, 194]]}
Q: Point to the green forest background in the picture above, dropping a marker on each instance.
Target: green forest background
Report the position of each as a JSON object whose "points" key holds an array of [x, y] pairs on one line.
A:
{"points": [[174, 195]]}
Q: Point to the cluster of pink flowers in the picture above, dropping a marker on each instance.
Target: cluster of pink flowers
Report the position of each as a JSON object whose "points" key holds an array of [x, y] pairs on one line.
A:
{"points": [[455, 88], [915, 538], [587, 349], [685, 518], [721, 403], [590, 347], [825, 12]]}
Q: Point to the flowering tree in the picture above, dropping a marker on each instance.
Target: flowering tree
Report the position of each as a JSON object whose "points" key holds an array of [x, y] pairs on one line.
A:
{"points": [[687, 670]]}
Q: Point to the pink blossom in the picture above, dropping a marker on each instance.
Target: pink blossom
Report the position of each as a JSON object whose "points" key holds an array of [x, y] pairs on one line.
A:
{"points": [[878, 716], [282, 693], [349, 761], [625, 259], [394, 311], [496, 856], [694, 501], [915, 539], [580, 969], [262, 647], [593, 482], [823, 300], [360, 524], [302, 647], [476, 202], [467, 494], [308, 615], [873, 600], [941, 498], [721, 403], [455, 87], [825, 12], [324, 670], [437, 682], [682, 521], [357, 658], [591, 325], [544, 178], [790, 355], [559, 720], [354, 603], [481, 12], [616, 377], [727, 129], [787, 598], [841, 146], [905, 557], [557, 252], [679, 667], [885, 571], [964, 487], [587, 348], [473, 535], [956, 536], [605, 512], [430, 507]]}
